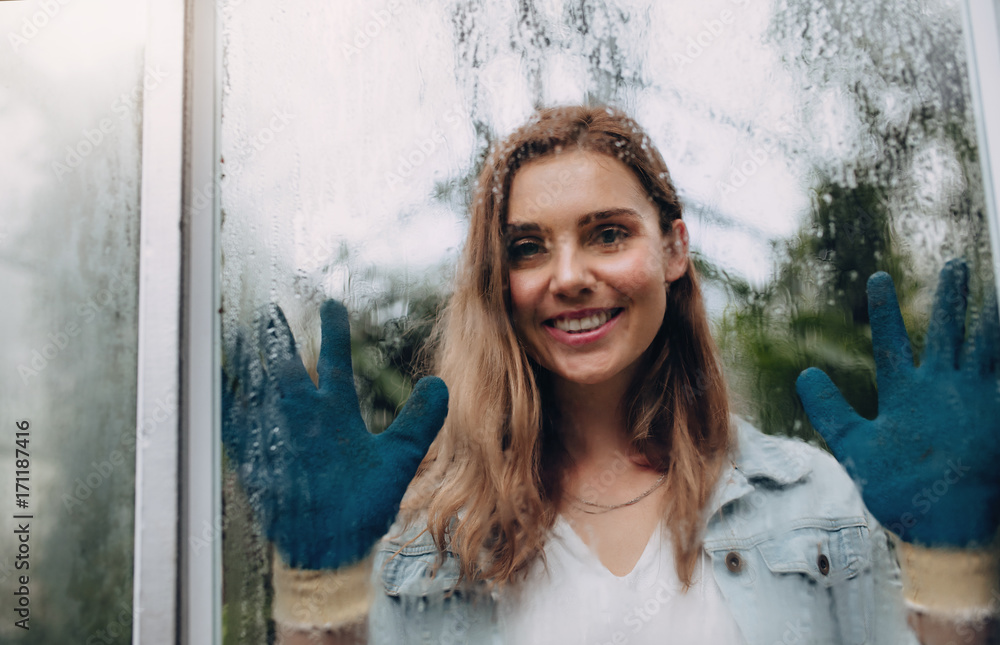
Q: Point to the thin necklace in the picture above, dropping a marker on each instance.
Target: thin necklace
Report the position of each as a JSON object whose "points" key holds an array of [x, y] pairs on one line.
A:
{"points": [[582, 504]]}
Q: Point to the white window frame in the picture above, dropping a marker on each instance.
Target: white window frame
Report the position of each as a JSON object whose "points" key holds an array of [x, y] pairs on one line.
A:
{"points": [[177, 578]]}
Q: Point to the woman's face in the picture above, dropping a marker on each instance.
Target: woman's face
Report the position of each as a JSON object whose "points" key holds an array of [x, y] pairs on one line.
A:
{"points": [[588, 265]]}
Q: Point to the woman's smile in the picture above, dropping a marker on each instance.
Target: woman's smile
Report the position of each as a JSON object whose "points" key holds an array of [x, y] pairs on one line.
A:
{"points": [[580, 327]]}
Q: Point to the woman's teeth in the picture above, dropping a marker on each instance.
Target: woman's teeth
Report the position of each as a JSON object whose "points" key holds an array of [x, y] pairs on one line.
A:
{"points": [[582, 324]]}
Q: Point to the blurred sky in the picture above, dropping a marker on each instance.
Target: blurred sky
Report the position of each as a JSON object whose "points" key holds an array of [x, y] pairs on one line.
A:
{"points": [[383, 101]]}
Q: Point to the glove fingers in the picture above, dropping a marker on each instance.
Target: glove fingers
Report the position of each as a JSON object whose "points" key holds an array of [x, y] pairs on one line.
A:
{"points": [[336, 375], [411, 433], [287, 382], [946, 330], [277, 344], [829, 413], [245, 416], [335, 349], [890, 342], [237, 398]]}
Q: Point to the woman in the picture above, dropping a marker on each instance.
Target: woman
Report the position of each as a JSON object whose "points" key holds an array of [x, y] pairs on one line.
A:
{"points": [[588, 484], [604, 364]]}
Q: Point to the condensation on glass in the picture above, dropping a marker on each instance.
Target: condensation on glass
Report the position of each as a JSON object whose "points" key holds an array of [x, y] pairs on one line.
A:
{"points": [[70, 122], [813, 142]]}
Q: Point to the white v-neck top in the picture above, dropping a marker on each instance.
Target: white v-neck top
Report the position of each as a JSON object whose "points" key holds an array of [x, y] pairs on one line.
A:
{"points": [[577, 600]]}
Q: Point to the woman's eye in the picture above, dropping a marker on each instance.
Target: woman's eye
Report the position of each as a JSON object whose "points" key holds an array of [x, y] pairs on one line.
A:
{"points": [[611, 235], [524, 249]]}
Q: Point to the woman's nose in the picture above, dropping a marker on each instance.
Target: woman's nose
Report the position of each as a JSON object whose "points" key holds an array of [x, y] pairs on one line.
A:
{"points": [[571, 273]]}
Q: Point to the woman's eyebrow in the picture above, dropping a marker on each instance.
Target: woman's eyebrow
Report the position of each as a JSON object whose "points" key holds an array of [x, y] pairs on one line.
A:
{"points": [[597, 216], [526, 227], [515, 228]]}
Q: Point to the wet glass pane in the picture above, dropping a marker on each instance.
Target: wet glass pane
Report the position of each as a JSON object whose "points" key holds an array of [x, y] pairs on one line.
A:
{"points": [[70, 122], [812, 142]]}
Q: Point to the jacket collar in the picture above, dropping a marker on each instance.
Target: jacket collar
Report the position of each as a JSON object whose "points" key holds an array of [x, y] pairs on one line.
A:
{"points": [[756, 456]]}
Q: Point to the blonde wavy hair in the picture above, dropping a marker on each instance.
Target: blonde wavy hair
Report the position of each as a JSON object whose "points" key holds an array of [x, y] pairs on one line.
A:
{"points": [[489, 485]]}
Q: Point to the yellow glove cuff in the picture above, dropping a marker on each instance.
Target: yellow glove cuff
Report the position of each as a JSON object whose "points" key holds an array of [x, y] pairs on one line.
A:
{"points": [[324, 599], [958, 583]]}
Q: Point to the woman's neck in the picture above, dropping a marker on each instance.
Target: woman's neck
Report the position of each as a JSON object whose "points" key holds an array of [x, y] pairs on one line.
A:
{"points": [[592, 421]]}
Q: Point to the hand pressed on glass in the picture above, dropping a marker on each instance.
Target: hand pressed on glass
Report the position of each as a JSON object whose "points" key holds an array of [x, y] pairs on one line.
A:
{"points": [[324, 487], [927, 462]]}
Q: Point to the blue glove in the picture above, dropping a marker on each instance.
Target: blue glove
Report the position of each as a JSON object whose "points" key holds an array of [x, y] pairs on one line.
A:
{"points": [[927, 465], [324, 488]]}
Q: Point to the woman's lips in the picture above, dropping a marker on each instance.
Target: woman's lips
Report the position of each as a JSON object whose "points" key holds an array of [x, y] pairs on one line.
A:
{"points": [[582, 327]]}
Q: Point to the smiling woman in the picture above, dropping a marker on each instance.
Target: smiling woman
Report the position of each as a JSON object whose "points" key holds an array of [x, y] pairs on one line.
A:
{"points": [[562, 204], [592, 235]]}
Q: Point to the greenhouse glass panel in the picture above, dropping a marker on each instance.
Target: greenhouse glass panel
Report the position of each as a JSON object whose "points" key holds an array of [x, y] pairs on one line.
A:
{"points": [[812, 143]]}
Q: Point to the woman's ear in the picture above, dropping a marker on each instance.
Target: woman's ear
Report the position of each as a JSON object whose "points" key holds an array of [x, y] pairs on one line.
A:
{"points": [[675, 251]]}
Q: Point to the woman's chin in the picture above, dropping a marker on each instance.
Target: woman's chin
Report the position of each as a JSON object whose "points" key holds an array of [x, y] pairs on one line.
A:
{"points": [[589, 375]]}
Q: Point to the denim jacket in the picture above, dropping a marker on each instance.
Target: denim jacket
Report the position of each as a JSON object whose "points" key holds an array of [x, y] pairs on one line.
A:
{"points": [[794, 551]]}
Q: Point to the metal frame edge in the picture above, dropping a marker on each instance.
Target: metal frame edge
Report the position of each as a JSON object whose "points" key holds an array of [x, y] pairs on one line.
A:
{"points": [[200, 545]]}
